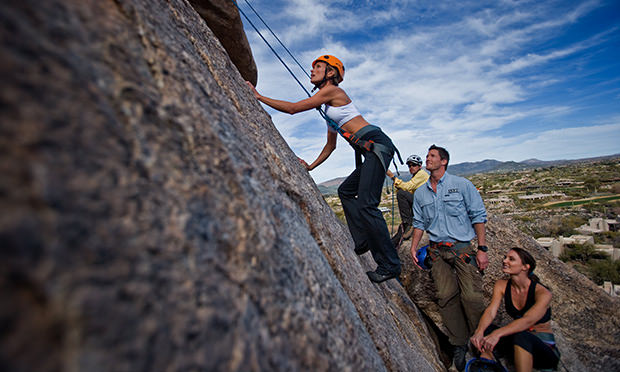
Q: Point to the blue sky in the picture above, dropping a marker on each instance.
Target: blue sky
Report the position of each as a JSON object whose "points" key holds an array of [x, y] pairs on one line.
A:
{"points": [[505, 80]]}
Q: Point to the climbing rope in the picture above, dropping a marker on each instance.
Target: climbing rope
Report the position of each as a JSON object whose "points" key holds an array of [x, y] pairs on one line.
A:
{"points": [[277, 38], [392, 207], [564, 365], [323, 115], [269, 45], [332, 124]]}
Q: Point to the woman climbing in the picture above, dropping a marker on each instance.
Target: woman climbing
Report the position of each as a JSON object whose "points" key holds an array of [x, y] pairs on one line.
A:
{"points": [[528, 337], [360, 193]]}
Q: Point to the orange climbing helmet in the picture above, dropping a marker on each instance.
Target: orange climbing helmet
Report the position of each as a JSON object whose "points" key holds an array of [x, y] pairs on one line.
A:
{"points": [[332, 61]]}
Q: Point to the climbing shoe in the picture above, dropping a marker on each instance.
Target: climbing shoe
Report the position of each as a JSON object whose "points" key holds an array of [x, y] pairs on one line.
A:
{"points": [[379, 278], [459, 357]]}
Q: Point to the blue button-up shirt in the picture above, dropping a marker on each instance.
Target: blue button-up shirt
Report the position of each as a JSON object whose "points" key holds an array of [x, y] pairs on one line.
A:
{"points": [[449, 214]]}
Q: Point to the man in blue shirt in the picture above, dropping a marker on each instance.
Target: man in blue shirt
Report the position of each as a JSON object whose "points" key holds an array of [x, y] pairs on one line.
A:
{"points": [[450, 210]]}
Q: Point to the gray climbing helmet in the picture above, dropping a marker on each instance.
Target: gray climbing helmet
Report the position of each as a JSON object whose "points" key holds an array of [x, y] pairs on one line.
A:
{"points": [[414, 159]]}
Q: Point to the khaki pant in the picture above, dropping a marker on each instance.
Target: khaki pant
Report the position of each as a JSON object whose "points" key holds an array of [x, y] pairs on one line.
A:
{"points": [[459, 290]]}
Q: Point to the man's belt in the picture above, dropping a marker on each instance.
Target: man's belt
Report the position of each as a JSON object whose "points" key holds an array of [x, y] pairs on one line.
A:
{"points": [[453, 248], [447, 244]]}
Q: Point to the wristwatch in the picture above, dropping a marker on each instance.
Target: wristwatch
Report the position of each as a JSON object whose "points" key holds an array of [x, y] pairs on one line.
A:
{"points": [[483, 248]]}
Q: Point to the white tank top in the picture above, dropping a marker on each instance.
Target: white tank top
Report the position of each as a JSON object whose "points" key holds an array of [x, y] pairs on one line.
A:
{"points": [[342, 114]]}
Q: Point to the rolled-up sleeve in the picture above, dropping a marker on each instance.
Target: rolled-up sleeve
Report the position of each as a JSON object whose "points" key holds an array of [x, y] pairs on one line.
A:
{"points": [[474, 204], [418, 219]]}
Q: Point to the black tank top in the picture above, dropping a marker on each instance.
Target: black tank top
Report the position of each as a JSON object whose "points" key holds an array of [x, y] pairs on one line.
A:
{"points": [[529, 302]]}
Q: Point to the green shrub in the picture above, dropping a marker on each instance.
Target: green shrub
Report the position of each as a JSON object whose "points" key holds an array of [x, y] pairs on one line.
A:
{"points": [[581, 253], [604, 270]]}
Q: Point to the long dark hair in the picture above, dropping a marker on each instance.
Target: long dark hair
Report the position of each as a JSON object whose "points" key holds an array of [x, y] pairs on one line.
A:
{"points": [[527, 259], [336, 78]]}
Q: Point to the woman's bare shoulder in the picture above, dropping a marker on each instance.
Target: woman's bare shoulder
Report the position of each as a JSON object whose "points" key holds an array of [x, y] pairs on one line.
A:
{"points": [[542, 290], [335, 93], [500, 285]]}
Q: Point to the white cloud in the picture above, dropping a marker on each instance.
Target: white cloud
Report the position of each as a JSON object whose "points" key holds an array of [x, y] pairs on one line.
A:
{"points": [[459, 81], [565, 143]]}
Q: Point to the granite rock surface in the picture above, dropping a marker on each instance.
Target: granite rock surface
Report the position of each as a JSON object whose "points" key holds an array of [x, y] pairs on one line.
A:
{"points": [[224, 20], [153, 219]]}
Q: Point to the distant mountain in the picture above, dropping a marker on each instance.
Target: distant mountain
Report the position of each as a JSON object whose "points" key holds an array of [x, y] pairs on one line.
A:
{"points": [[484, 166], [331, 187], [489, 165], [335, 182], [531, 161]]}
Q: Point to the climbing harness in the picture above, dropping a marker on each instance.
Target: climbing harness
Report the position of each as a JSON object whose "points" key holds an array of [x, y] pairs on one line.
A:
{"points": [[371, 146], [463, 257], [355, 139]]}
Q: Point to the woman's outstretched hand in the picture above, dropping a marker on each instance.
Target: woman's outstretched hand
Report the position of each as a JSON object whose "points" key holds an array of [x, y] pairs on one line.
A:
{"points": [[256, 94], [303, 162]]}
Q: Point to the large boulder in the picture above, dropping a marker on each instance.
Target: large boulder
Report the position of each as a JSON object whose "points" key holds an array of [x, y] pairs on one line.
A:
{"points": [[153, 219], [224, 20], [584, 318]]}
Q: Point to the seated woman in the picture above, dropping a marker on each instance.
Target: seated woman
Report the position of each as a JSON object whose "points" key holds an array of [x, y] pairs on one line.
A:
{"points": [[527, 301]]}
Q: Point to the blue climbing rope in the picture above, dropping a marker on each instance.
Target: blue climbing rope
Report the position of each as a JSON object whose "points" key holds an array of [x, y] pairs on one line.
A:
{"points": [[277, 38], [270, 47], [332, 124]]}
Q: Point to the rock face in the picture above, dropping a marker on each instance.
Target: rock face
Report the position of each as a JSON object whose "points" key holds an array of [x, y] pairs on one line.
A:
{"points": [[224, 20], [584, 318], [153, 219]]}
